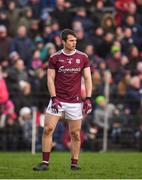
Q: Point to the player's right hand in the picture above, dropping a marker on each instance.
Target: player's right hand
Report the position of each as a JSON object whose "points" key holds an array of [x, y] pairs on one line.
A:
{"points": [[87, 105], [55, 104]]}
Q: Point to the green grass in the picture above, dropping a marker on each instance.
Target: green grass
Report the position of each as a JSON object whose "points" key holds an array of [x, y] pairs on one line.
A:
{"points": [[109, 165]]}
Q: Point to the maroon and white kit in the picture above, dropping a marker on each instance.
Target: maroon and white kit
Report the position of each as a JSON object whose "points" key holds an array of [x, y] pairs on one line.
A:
{"points": [[68, 68]]}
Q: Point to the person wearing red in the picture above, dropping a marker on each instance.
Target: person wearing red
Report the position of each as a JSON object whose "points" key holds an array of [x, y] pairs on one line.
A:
{"points": [[65, 70], [122, 8]]}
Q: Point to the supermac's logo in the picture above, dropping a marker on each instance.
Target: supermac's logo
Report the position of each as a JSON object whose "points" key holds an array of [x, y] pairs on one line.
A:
{"points": [[68, 70]]}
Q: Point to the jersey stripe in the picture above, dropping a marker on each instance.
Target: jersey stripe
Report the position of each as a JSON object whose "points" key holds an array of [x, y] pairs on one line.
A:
{"points": [[56, 53]]}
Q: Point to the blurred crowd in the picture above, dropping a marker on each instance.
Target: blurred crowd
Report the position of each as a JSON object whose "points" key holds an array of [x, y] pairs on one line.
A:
{"points": [[108, 31]]}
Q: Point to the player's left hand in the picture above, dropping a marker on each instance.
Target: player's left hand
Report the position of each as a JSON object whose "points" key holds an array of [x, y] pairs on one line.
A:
{"points": [[87, 105]]}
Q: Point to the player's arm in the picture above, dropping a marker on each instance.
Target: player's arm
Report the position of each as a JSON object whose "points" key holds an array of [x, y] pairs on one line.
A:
{"points": [[87, 105], [51, 87], [51, 82], [87, 81]]}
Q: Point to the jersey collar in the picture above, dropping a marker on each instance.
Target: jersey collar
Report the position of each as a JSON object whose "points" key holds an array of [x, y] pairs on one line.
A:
{"points": [[68, 54]]}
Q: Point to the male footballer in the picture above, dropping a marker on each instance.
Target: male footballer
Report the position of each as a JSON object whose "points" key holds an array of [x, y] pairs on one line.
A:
{"points": [[65, 69]]}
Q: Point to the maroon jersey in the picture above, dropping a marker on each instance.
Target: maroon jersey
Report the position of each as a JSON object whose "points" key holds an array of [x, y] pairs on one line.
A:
{"points": [[68, 68]]}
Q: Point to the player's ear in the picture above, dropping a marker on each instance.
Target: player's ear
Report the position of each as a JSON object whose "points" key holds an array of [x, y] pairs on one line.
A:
{"points": [[63, 42]]}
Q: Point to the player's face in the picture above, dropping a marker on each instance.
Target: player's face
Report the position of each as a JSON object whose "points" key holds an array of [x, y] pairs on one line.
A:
{"points": [[70, 43]]}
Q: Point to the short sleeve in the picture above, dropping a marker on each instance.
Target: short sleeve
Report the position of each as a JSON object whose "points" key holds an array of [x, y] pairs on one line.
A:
{"points": [[86, 61], [51, 63]]}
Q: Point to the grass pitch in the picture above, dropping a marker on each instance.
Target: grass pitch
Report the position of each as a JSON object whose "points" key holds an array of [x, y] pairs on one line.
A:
{"points": [[111, 165]]}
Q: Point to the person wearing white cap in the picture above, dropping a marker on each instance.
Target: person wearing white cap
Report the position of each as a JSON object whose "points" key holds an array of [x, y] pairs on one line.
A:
{"points": [[25, 120]]}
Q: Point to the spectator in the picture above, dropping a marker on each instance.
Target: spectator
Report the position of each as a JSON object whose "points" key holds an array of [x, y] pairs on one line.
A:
{"points": [[40, 93], [95, 60], [4, 18], [128, 40], [113, 62], [121, 88], [100, 112], [18, 85], [51, 49], [41, 47], [122, 7], [13, 17], [25, 120], [4, 95], [133, 95], [22, 42], [36, 61], [61, 14], [98, 13], [106, 44], [5, 42], [134, 59], [2, 5], [138, 137], [76, 24], [34, 29], [22, 3], [107, 23], [82, 39], [46, 4], [97, 39], [10, 134], [91, 143], [81, 15], [55, 29], [119, 33], [13, 57], [25, 18], [37, 6], [136, 30], [57, 41], [47, 31], [133, 10]]}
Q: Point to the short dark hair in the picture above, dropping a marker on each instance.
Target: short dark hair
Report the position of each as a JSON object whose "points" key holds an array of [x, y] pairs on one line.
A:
{"points": [[66, 32]]}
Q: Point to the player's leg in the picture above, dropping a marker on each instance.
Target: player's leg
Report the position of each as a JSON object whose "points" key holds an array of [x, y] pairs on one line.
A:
{"points": [[49, 127], [74, 130]]}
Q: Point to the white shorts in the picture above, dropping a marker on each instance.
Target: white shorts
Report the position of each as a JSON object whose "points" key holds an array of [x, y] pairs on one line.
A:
{"points": [[72, 111]]}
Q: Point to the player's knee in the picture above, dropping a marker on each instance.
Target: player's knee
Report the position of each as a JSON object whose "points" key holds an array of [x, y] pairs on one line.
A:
{"points": [[48, 130], [75, 135]]}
